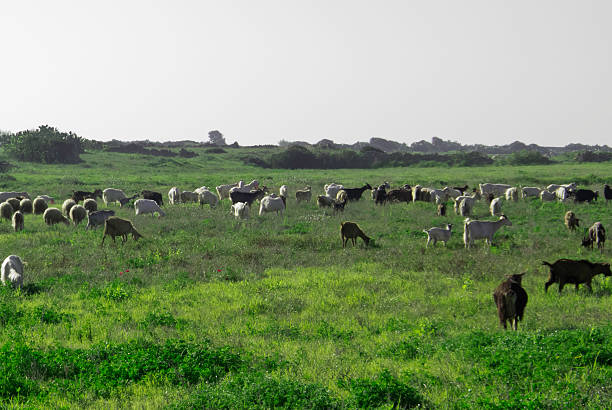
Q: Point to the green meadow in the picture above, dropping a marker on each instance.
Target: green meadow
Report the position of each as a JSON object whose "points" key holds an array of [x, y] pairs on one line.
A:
{"points": [[210, 312]]}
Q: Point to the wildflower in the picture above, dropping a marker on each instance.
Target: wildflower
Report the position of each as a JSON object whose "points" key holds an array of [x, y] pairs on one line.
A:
{"points": [[127, 270], [218, 270], [120, 273]]}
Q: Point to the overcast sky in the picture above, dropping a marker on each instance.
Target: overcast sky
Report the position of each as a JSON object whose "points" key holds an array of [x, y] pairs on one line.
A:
{"points": [[261, 71]]}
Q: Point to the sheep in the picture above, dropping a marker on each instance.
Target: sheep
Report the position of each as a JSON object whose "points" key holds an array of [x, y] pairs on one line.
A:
{"points": [[40, 206], [97, 218], [283, 191], [607, 192], [15, 203], [6, 211], [223, 190], [482, 230], [112, 195], [207, 197], [597, 235], [530, 191], [339, 206], [554, 187], [189, 196], [565, 271], [350, 230], [156, 196], [571, 221], [324, 201], [438, 234], [510, 299], [441, 210], [174, 195], [303, 194], [48, 199], [12, 271], [331, 190], [90, 205], [354, 194], [67, 205], [145, 206], [495, 189], [53, 216], [78, 213], [25, 205], [115, 226], [18, 221], [249, 197], [512, 194], [240, 210], [495, 207], [547, 196], [79, 196], [13, 194], [271, 203]]}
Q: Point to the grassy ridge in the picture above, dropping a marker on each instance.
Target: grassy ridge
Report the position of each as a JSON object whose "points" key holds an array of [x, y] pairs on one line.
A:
{"points": [[305, 322]]}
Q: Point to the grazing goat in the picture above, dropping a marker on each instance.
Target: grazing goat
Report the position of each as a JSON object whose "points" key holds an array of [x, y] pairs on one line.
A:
{"points": [[574, 271], [400, 195], [461, 189], [98, 218], [452, 192], [607, 192], [354, 194], [283, 191], [339, 205], [495, 189], [54, 216], [324, 201], [248, 197], [585, 195], [26, 206], [530, 191], [223, 190], [207, 197], [466, 206], [271, 203], [12, 194], [40, 206], [156, 196], [510, 299], [190, 196], [126, 201], [380, 196], [554, 187], [112, 195], [562, 193], [146, 206], [331, 190], [115, 226], [595, 235], [438, 234], [18, 221], [12, 271], [174, 195], [352, 231], [303, 194], [571, 221], [547, 196], [341, 196], [240, 210], [79, 196], [254, 184], [473, 230]]}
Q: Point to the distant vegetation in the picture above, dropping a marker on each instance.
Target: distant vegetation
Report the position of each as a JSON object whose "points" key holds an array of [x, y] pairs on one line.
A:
{"points": [[45, 144]]}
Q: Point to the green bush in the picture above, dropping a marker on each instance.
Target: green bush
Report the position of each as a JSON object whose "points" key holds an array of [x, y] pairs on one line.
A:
{"points": [[45, 144]]}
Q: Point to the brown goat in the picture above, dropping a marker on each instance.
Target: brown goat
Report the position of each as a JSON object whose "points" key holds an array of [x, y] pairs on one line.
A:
{"points": [[571, 221], [115, 226], [511, 299], [350, 230], [574, 271]]}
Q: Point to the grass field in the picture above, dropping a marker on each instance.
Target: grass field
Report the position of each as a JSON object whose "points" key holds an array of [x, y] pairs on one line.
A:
{"points": [[272, 312]]}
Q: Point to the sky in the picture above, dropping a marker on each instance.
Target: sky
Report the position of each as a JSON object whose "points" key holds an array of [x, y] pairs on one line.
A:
{"points": [[489, 72]]}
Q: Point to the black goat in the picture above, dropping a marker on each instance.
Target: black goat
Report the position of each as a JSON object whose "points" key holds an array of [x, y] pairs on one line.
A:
{"points": [[607, 192], [585, 195], [248, 197], [81, 195], [354, 194], [156, 196]]}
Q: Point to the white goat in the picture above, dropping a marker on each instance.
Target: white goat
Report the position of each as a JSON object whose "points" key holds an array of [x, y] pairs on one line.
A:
{"points": [[174, 195], [12, 271], [512, 194], [547, 196], [240, 210], [223, 190], [303, 194], [145, 206], [207, 197], [112, 195], [254, 184], [495, 189], [283, 191], [482, 230], [495, 207], [271, 203], [331, 190], [562, 193], [189, 196], [466, 206], [438, 234], [554, 187], [530, 191]]}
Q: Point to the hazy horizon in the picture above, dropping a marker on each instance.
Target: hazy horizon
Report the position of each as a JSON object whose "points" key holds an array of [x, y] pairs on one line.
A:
{"points": [[485, 72]]}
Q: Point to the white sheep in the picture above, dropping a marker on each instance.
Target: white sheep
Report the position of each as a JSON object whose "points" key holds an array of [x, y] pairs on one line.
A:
{"points": [[174, 195], [512, 194], [240, 210], [18, 221], [12, 271], [547, 196], [331, 190], [48, 199], [271, 203], [283, 191], [482, 229], [530, 191], [562, 193], [495, 189], [495, 207], [207, 197], [145, 206], [438, 234], [112, 195]]}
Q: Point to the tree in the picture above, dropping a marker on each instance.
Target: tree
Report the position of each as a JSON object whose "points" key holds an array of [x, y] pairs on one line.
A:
{"points": [[45, 144], [216, 138]]}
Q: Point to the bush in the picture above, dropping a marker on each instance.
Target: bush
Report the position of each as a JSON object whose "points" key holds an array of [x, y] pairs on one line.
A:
{"points": [[590, 156], [45, 144], [385, 389], [525, 157]]}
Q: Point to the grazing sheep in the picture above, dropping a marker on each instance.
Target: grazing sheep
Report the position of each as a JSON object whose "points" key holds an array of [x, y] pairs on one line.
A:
{"points": [[495, 189], [240, 210], [54, 216], [145, 206], [126, 201], [98, 218], [324, 201], [441, 210], [18, 221], [174, 195], [283, 191], [341, 196], [26, 206], [40, 206], [607, 192], [78, 213], [13, 194], [223, 190], [596, 235], [12, 271], [510, 299], [352, 231], [547, 196], [6, 211], [574, 271], [339, 206], [90, 205], [189, 196], [438, 234], [303, 194], [115, 226], [48, 199], [495, 207], [67, 205], [207, 197], [79, 196], [571, 221], [156, 196], [270, 203], [473, 230], [110, 195], [248, 197], [15, 203], [512, 194], [530, 191]]}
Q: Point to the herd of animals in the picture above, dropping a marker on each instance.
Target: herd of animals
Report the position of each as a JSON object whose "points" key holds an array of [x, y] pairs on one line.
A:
{"points": [[509, 296]]}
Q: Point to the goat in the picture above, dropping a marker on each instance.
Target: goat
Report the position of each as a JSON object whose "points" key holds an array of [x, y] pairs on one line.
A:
{"points": [[115, 226], [441, 210], [352, 231], [574, 271], [482, 230], [510, 299], [79, 196], [248, 197], [595, 235], [438, 234], [303, 194], [156, 196], [571, 221], [354, 194]]}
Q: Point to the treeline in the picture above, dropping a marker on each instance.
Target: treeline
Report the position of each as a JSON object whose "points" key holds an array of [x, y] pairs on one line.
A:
{"points": [[44, 144], [136, 148]]}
